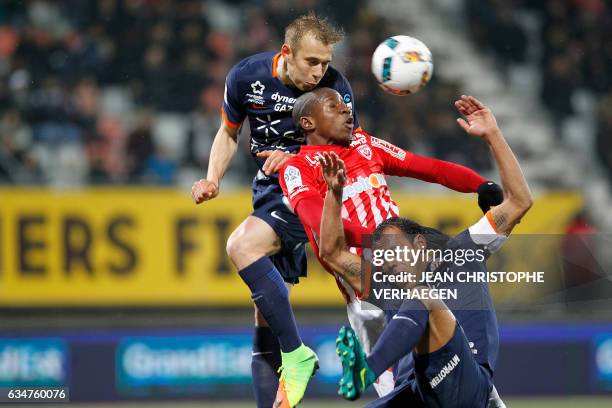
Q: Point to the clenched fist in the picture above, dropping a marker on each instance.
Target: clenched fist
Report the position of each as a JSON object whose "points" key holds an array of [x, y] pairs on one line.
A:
{"points": [[204, 190]]}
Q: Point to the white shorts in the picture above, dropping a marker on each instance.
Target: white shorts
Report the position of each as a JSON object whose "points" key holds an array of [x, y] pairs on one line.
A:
{"points": [[368, 322]]}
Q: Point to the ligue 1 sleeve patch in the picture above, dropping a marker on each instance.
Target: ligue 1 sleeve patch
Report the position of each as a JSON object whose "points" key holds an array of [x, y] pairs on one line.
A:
{"points": [[293, 178]]}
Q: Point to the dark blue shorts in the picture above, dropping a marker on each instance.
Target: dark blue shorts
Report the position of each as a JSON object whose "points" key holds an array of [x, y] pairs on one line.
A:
{"points": [[448, 378], [269, 205]]}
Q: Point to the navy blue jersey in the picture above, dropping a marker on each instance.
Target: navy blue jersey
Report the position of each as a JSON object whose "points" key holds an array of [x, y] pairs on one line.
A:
{"points": [[253, 90], [473, 307]]}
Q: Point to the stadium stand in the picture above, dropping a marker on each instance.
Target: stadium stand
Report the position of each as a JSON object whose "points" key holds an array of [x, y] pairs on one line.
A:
{"points": [[129, 92]]}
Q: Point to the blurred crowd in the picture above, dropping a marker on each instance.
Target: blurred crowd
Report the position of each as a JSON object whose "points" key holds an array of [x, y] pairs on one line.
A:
{"points": [[574, 47], [129, 91]]}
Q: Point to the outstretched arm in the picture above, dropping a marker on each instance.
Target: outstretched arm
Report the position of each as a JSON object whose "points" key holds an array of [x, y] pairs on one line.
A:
{"points": [[399, 162], [451, 175], [332, 245], [456, 177], [480, 122], [403, 163]]}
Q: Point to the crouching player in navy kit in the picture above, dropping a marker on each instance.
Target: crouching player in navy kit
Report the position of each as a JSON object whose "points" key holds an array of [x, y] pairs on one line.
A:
{"points": [[454, 342]]}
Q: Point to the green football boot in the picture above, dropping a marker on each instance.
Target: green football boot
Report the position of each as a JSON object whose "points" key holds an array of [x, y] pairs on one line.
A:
{"points": [[297, 368], [356, 374]]}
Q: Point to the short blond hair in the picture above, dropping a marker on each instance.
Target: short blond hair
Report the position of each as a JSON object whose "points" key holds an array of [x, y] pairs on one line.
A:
{"points": [[320, 27]]}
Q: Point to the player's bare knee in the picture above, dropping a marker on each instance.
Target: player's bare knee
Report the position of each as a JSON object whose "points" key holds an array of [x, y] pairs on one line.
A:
{"points": [[242, 248], [250, 242], [233, 247]]}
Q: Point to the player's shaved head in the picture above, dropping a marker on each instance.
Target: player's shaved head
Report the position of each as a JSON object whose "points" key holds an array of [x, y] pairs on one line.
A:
{"points": [[305, 104], [322, 116], [311, 24]]}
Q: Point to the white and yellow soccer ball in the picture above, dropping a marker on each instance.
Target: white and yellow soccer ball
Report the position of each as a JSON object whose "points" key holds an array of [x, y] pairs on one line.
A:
{"points": [[402, 65]]}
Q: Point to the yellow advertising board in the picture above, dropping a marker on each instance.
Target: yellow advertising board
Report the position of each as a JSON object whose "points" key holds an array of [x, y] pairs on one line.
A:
{"points": [[154, 247]]}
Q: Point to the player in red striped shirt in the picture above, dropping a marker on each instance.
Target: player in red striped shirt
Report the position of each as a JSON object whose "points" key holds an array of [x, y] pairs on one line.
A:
{"points": [[327, 123]]}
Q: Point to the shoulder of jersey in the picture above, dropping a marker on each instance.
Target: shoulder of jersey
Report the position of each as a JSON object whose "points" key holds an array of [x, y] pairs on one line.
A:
{"points": [[332, 78], [457, 240], [303, 161], [254, 65], [298, 160], [333, 73]]}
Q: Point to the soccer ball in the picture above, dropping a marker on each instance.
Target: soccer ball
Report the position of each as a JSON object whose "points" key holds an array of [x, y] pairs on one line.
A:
{"points": [[402, 65]]}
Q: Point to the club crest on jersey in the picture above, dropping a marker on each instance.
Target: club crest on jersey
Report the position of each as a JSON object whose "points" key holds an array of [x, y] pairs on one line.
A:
{"points": [[365, 151], [258, 87]]}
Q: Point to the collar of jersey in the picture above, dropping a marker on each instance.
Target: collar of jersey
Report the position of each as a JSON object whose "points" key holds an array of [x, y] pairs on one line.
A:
{"points": [[274, 64]]}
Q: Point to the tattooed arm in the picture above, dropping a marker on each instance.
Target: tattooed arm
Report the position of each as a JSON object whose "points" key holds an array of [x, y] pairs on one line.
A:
{"points": [[480, 122], [333, 249], [517, 197]]}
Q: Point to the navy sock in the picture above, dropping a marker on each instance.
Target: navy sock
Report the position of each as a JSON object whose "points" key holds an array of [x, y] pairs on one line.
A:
{"points": [[271, 296], [264, 366], [400, 336]]}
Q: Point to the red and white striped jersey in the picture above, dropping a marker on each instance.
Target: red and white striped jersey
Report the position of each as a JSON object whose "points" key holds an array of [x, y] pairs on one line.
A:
{"points": [[366, 198]]}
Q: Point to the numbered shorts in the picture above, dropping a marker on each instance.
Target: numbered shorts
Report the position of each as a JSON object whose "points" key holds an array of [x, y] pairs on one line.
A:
{"points": [[368, 322]]}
